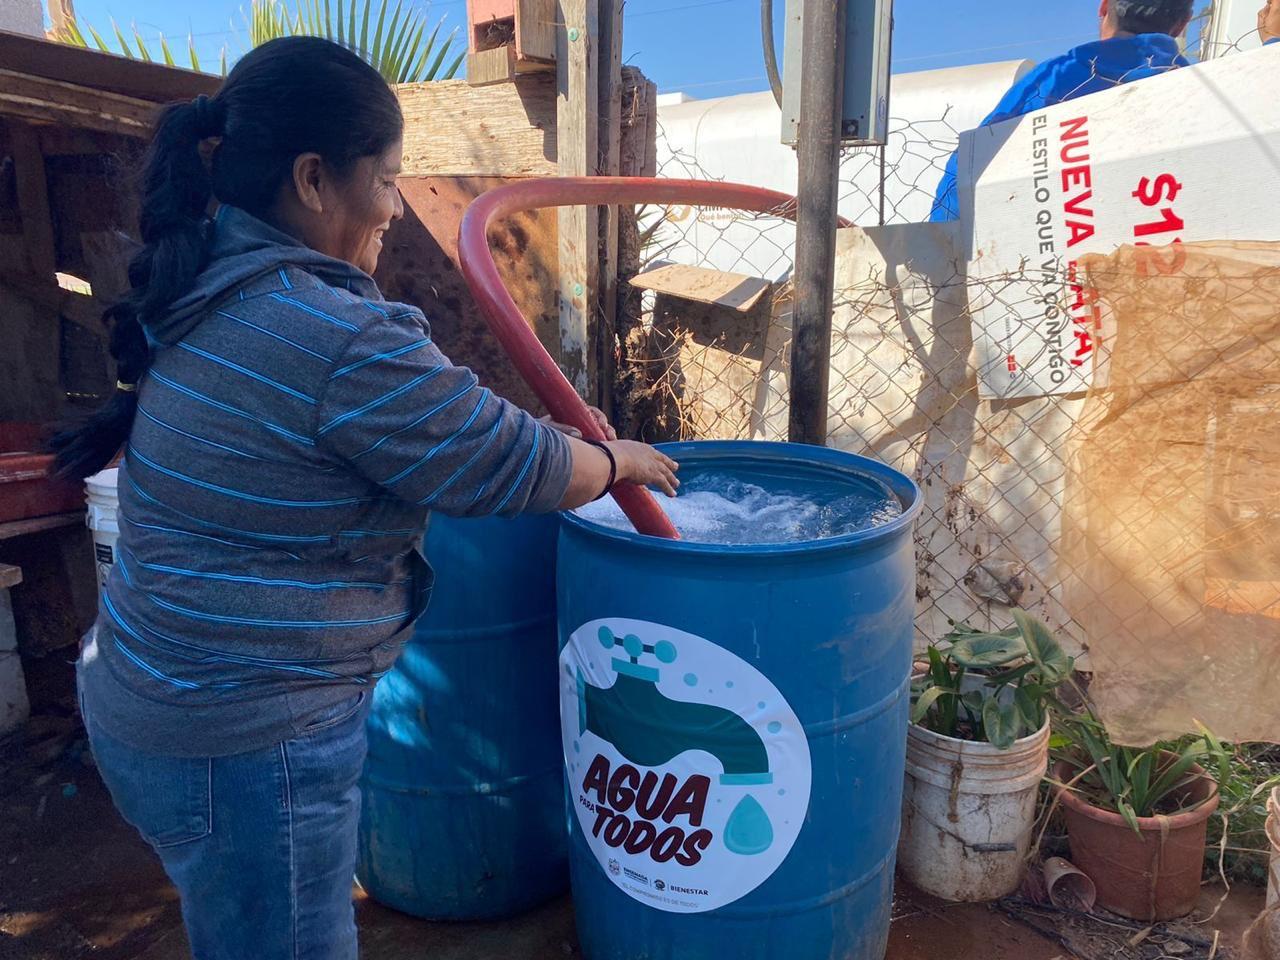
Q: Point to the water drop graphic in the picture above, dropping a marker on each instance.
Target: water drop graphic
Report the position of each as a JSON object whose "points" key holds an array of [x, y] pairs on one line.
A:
{"points": [[782, 793], [775, 727], [748, 831], [761, 704], [691, 679], [577, 747], [729, 684]]}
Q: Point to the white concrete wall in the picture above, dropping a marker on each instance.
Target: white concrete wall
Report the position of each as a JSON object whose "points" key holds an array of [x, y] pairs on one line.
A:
{"points": [[1233, 27], [739, 139], [13, 691], [22, 16]]}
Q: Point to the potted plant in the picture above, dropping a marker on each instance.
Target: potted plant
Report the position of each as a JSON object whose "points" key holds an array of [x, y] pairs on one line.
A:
{"points": [[1136, 818], [977, 750]]}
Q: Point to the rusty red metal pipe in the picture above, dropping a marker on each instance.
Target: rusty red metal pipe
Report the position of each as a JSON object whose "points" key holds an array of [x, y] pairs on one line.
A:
{"points": [[517, 337]]}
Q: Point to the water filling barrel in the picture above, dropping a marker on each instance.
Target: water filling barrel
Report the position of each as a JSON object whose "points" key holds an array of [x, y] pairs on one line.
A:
{"points": [[734, 719], [462, 791]]}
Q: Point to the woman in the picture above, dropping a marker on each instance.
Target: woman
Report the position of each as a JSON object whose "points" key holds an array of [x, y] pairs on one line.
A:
{"points": [[286, 433]]}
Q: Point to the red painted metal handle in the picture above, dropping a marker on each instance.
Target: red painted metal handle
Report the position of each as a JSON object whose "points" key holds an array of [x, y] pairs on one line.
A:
{"points": [[518, 339]]}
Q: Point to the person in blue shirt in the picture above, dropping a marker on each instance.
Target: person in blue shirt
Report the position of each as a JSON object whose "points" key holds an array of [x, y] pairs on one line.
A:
{"points": [[1137, 41], [1269, 22]]}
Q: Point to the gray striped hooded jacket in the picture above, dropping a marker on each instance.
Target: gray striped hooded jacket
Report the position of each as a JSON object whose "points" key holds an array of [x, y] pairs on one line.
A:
{"points": [[292, 436]]}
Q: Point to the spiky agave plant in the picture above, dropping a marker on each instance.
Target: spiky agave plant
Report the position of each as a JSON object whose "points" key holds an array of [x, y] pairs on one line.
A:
{"points": [[74, 35], [397, 39]]}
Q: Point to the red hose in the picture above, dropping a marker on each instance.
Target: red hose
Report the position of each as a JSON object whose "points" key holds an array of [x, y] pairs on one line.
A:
{"points": [[518, 339]]}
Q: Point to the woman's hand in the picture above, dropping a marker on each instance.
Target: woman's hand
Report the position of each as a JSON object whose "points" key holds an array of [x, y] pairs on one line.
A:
{"points": [[642, 464], [596, 415], [636, 463]]}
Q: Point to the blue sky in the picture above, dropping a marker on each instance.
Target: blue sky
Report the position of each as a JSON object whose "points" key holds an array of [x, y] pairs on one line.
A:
{"points": [[708, 48]]}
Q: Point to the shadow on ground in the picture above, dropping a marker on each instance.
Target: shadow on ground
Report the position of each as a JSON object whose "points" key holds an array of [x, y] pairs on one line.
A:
{"points": [[76, 883]]}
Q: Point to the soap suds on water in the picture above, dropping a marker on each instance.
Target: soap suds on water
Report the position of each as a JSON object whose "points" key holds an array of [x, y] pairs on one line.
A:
{"points": [[722, 509]]}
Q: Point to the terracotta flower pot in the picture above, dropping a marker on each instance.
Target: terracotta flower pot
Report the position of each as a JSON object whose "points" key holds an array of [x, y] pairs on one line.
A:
{"points": [[1152, 875]]}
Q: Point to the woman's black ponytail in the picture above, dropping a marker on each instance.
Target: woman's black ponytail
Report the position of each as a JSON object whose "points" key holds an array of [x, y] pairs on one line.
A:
{"points": [[176, 191], [290, 96]]}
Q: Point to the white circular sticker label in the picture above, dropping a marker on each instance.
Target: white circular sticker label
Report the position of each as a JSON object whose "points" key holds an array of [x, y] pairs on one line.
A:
{"points": [[689, 772]]}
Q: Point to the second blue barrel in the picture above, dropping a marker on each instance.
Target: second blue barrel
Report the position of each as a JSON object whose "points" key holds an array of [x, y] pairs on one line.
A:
{"points": [[462, 813], [734, 723]]}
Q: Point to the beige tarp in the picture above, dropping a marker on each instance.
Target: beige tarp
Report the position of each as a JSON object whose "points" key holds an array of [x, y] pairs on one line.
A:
{"points": [[1141, 522], [1172, 518]]}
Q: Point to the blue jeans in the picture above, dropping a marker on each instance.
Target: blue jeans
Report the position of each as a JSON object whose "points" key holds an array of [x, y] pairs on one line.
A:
{"points": [[261, 846]]}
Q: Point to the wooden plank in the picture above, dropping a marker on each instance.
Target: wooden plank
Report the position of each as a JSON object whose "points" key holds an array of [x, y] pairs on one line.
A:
{"points": [[53, 101], [735, 291], [84, 311], [499, 65], [107, 254], [650, 166], [536, 29], [22, 528], [56, 141], [724, 359], [577, 136], [106, 72], [455, 129], [10, 576], [635, 122], [33, 200], [496, 65], [610, 143]]}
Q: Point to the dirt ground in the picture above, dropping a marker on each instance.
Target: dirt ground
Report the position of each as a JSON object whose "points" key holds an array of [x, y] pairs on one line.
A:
{"points": [[76, 882]]}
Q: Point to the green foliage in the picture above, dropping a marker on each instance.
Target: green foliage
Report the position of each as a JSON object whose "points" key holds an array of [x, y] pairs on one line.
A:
{"points": [[990, 686], [1135, 782], [74, 35], [396, 39], [1238, 846]]}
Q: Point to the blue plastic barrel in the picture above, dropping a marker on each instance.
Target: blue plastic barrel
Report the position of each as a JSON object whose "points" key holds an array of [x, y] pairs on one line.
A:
{"points": [[734, 724], [463, 804]]}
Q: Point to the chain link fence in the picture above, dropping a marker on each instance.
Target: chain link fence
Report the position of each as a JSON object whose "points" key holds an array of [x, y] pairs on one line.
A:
{"points": [[904, 380]]}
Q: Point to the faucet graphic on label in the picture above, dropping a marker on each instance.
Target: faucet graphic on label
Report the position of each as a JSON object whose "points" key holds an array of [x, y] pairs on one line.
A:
{"points": [[650, 729]]}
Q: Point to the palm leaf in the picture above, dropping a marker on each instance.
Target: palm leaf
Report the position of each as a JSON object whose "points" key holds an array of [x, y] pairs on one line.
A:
{"points": [[371, 52], [405, 46], [143, 52], [364, 27], [97, 39], [453, 67], [416, 68], [124, 44]]}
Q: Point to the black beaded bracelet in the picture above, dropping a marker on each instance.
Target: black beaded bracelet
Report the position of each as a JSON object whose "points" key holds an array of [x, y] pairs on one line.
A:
{"points": [[613, 466]]}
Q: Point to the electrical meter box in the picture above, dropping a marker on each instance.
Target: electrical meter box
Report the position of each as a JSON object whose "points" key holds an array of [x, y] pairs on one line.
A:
{"points": [[868, 32]]}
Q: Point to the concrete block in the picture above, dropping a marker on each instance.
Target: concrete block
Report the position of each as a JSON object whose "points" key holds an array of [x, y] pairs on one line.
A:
{"points": [[8, 631], [14, 707]]}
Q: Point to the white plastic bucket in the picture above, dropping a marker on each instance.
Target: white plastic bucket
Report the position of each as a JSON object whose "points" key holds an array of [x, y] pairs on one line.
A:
{"points": [[968, 811], [103, 519]]}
